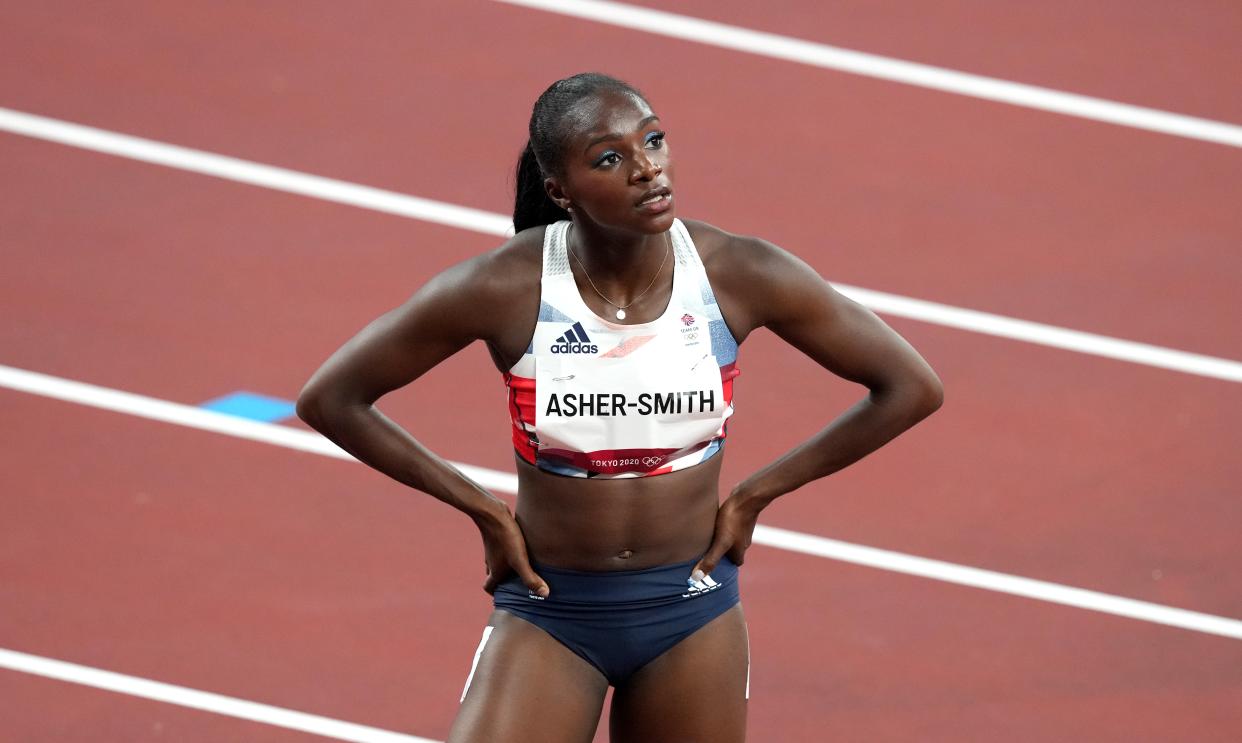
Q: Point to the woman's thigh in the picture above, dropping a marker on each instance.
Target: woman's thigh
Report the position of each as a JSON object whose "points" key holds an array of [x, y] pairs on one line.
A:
{"points": [[694, 692], [527, 686]]}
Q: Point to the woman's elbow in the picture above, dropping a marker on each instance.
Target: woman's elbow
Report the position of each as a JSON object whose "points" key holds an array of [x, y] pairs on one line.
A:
{"points": [[314, 404], [911, 398], [317, 406], [930, 395], [309, 409]]}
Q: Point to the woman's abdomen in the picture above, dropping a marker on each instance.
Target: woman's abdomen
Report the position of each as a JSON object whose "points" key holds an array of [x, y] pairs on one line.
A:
{"points": [[623, 524]]}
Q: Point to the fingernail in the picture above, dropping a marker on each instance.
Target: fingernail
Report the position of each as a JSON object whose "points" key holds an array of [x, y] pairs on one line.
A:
{"points": [[697, 576]]}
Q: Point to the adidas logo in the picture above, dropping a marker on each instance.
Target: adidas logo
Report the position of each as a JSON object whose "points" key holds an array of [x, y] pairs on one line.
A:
{"points": [[697, 587], [574, 340]]}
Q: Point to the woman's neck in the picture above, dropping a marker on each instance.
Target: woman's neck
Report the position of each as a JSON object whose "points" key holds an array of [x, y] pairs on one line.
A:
{"points": [[621, 261]]}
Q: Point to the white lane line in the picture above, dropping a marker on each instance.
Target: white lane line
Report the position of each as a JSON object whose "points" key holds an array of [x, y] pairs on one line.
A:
{"points": [[1044, 335], [201, 700], [790, 49], [991, 580], [208, 420], [282, 179], [792, 541], [255, 174]]}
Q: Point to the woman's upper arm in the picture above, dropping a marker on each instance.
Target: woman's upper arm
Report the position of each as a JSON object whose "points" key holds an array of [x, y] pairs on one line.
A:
{"points": [[443, 316], [843, 336]]}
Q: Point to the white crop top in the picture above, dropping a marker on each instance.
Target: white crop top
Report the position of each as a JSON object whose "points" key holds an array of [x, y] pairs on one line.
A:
{"points": [[593, 398]]}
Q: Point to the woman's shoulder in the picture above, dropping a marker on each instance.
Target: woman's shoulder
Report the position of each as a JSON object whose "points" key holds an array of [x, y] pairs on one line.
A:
{"points": [[522, 253], [493, 295], [505, 272], [722, 249], [488, 290], [749, 275], [738, 259]]}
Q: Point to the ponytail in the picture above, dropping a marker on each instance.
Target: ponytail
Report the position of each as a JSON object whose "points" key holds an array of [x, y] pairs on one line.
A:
{"points": [[531, 205]]}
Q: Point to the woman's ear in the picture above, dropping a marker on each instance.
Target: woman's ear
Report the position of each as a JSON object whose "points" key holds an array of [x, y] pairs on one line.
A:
{"points": [[557, 194]]}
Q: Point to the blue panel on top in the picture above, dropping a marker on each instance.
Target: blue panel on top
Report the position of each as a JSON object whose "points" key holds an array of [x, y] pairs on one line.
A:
{"points": [[724, 345], [253, 406], [548, 313]]}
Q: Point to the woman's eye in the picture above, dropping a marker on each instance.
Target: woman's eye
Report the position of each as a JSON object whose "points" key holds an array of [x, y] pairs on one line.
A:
{"points": [[610, 158], [656, 140]]}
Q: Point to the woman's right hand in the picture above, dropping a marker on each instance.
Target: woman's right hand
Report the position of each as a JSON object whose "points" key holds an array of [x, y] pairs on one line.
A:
{"points": [[504, 553]]}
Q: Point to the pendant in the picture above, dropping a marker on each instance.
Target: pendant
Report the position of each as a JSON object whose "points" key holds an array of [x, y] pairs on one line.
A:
{"points": [[620, 314]]}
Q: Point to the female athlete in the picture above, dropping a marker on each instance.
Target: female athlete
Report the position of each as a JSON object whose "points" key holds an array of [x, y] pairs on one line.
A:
{"points": [[615, 326]]}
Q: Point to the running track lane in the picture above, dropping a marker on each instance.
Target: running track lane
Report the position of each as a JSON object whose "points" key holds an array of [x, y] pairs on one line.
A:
{"points": [[907, 190], [301, 581], [1148, 53], [40, 709], [972, 485]]}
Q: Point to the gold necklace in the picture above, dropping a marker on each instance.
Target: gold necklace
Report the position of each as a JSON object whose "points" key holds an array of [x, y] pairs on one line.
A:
{"points": [[620, 309]]}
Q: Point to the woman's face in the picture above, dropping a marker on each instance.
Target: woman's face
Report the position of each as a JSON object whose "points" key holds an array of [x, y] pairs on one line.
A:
{"points": [[615, 157]]}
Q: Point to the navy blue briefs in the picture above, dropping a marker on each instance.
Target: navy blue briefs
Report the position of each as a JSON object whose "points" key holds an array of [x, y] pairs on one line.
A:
{"points": [[619, 621]]}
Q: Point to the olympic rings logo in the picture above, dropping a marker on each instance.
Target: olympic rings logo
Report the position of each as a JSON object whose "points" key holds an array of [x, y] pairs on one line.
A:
{"points": [[652, 461]]}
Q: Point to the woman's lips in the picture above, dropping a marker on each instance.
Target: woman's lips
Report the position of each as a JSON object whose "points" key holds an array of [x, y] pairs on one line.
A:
{"points": [[657, 204]]}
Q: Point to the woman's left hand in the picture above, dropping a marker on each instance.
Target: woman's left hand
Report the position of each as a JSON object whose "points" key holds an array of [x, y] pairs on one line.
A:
{"points": [[735, 526]]}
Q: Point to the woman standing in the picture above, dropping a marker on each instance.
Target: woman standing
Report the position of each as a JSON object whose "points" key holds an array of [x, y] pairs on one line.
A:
{"points": [[615, 326]]}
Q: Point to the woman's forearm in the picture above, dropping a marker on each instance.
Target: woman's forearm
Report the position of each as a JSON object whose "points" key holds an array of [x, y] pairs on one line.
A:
{"points": [[374, 439], [860, 430]]}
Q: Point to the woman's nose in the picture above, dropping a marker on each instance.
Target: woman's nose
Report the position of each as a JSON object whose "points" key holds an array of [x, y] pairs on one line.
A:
{"points": [[647, 169]]}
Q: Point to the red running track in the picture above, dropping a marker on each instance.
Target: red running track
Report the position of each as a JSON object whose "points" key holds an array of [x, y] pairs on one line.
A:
{"points": [[303, 582]]}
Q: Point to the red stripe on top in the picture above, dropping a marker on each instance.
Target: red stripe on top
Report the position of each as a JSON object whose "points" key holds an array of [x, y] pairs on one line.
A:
{"points": [[627, 347], [522, 408], [727, 373]]}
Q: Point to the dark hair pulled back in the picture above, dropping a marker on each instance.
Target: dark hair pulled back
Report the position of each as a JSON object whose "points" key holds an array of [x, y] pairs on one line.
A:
{"points": [[542, 156]]}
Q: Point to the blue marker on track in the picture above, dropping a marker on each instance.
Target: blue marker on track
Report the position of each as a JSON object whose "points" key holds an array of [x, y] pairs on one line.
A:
{"points": [[253, 406]]}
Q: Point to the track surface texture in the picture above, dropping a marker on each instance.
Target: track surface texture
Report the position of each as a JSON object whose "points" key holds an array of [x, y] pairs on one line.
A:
{"points": [[314, 584]]}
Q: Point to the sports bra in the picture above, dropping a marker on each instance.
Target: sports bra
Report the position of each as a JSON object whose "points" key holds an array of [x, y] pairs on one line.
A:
{"points": [[593, 398]]}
